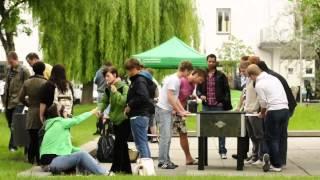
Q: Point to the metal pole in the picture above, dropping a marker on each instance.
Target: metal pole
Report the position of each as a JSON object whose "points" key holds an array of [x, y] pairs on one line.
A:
{"points": [[300, 51]]}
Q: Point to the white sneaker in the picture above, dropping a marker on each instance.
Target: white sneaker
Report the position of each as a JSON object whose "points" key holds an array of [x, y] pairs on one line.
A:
{"points": [[223, 156], [274, 169], [257, 163], [266, 163], [111, 173], [12, 150], [249, 162]]}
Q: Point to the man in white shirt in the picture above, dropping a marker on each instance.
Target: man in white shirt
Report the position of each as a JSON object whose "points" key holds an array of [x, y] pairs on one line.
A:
{"points": [[274, 108], [168, 102]]}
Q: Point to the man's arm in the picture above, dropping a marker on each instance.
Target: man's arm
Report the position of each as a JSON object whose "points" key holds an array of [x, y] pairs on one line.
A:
{"points": [[262, 99], [42, 111], [175, 103], [22, 96]]}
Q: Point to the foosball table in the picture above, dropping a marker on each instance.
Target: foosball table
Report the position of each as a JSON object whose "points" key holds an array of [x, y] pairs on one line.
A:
{"points": [[220, 124]]}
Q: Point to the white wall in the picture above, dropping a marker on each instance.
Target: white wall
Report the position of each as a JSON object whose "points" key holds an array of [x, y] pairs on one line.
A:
{"points": [[248, 18]]}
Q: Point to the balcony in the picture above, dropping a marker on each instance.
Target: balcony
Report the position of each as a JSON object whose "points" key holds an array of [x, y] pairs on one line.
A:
{"points": [[271, 38]]}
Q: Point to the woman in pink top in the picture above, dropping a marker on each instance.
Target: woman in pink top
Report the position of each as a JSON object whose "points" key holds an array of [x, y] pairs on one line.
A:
{"points": [[179, 126]]}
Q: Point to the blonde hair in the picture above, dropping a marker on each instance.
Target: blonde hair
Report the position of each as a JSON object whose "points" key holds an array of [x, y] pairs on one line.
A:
{"points": [[253, 70]]}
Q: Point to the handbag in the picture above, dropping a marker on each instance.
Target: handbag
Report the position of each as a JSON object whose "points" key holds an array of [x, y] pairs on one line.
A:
{"points": [[105, 146]]}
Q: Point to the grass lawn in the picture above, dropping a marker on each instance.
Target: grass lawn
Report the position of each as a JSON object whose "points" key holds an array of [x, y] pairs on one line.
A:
{"points": [[305, 117]]}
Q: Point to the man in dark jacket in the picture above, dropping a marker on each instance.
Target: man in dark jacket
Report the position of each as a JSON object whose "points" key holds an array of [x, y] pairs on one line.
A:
{"points": [[215, 94], [16, 75], [139, 105], [291, 103]]}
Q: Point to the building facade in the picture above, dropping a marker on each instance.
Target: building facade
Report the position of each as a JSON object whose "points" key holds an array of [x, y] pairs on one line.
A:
{"points": [[267, 26]]}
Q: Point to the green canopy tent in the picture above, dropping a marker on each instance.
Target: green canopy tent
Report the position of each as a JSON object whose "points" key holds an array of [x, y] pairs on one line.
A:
{"points": [[169, 54]]}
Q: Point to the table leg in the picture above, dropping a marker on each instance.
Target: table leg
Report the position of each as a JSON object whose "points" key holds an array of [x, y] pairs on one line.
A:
{"points": [[206, 151], [241, 146], [201, 153]]}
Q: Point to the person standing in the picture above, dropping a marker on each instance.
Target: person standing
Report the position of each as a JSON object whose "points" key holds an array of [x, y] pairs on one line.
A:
{"points": [[56, 90], [167, 104], [179, 125], [17, 74], [29, 96], [254, 124], [139, 105], [101, 83], [291, 103], [274, 108], [215, 95], [33, 58], [116, 96]]}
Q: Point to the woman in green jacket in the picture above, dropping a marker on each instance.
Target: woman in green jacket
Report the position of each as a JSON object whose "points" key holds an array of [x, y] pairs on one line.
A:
{"points": [[57, 152], [116, 96]]}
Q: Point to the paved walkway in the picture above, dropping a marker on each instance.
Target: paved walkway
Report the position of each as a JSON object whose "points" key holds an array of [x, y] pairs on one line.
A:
{"points": [[303, 159]]}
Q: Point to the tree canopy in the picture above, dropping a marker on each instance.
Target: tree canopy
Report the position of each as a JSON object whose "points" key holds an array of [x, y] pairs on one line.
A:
{"points": [[83, 34]]}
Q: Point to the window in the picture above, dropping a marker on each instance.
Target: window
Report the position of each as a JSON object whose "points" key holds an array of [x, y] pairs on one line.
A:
{"points": [[309, 70], [223, 20], [290, 70]]}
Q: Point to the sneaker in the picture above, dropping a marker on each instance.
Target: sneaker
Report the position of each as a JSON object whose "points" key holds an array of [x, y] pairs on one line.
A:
{"points": [[274, 169], [257, 163], [111, 173], [12, 150], [235, 156], [266, 163], [223, 156], [167, 166], [174, 164], [249, 158], [251, 161]]}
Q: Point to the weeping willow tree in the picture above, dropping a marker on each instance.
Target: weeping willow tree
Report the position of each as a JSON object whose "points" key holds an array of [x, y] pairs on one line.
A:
{"points": [[83, 34]]}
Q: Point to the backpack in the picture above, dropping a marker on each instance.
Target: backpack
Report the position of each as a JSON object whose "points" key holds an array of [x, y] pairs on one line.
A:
{"points": [[64, 99], [105, 147]]}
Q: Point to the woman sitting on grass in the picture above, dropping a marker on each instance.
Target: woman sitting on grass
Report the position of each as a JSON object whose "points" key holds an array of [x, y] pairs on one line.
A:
{"points": [[57, 153]]}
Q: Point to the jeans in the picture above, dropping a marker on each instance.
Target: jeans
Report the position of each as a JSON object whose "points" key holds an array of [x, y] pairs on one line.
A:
{"points": [[275, 124], [164, 119], [284, 141], [33, 150], [139, 128], [9, 116], [121, 160], [222, 140], [81, 160], [254, 126]]}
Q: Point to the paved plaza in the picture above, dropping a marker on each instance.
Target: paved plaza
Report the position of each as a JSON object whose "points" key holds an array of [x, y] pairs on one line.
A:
{"points": [[303, 159]]}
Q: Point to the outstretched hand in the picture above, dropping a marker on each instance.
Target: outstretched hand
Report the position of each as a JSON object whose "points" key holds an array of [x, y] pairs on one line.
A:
{"points": [[95, 111]]}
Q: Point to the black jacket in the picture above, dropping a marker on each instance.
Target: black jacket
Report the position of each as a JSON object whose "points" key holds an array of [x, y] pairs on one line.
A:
{"points": [[139, 97], [291, 100], [222, 90]]}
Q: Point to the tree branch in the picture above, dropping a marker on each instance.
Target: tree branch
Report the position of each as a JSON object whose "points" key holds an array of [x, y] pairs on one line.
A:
{"points": [[15, 5]]}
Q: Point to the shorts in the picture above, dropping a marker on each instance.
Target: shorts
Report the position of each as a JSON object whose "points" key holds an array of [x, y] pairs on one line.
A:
{"points": [[179, 125]]}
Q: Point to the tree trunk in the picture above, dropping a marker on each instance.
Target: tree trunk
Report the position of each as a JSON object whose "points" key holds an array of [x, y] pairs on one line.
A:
{"points": [[87, 93], [7, 42]]}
